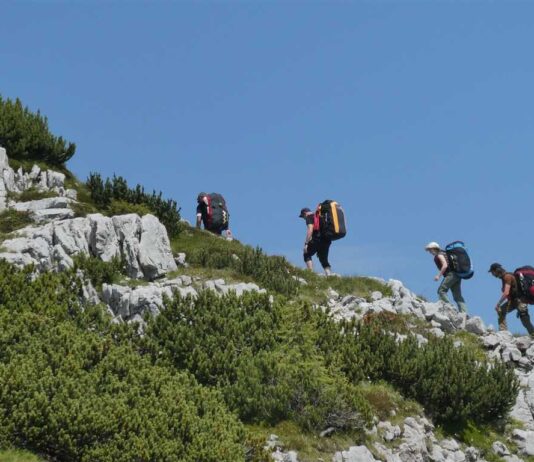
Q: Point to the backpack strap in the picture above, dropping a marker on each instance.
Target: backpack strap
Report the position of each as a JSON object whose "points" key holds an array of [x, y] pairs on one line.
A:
{"points": [[209, 211]]}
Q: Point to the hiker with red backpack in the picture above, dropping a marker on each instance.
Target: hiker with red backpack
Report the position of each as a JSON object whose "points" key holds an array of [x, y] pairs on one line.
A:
{"points": [[213, 213], [323, 226], [453, 265], [514, 295]]}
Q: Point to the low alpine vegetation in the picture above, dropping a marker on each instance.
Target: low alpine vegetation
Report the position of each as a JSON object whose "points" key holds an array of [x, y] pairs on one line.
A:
{"points": [[26, 136], [452, 383], [11, 220], [278, 361], [114, 196], [74, 386], [260, 355]]}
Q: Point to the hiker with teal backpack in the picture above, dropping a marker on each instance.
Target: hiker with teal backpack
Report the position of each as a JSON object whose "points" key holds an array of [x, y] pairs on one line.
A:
{"points": [[453, 265], [323, 226]]}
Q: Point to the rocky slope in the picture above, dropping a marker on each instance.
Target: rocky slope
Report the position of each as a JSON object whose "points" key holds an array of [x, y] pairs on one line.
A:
{"points": [[142, 243]]}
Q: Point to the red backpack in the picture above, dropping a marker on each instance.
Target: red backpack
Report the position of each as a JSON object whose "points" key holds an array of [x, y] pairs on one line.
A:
{"points": [[524, 277]]}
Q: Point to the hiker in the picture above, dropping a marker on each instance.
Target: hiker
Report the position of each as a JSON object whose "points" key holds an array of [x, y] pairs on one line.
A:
{"points": [[213, 213], [314, 243], [451, 280], [510, 299]]}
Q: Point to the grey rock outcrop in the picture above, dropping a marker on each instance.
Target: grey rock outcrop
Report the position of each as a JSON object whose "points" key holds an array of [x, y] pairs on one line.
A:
{"points": [[414, 442], [141, 242], [354, 454], [155, 256], [126, 302]]}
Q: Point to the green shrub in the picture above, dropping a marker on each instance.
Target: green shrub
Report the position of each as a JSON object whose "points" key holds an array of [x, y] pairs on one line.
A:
{"points": [[11, 220], [260, 356], [82, 209], [99, 271], [271, 272], [453, 384], [73, 387], [25, 135], [33, 194], [118, 207], [18, 456], [115, 193]]}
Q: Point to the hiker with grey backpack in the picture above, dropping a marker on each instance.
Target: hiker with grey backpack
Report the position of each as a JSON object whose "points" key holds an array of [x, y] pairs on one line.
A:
{"points": [[213, 213], [453, 265]]}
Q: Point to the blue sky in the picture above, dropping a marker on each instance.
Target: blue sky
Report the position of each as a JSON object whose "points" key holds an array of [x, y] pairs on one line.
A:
{"points": [[416, 116]]}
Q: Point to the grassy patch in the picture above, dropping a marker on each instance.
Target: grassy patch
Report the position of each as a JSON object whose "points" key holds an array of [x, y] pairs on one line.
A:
{"points": [[235, 260], [310, 446], [317, 285], [472, 343], [118, 207], [82, 209], [27, 164], [192, 240], [482, 437], [389, 404], [32, 194], [18, 456], [11, 220]]}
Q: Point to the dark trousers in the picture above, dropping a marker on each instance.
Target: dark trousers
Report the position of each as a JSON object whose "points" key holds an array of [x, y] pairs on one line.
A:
{"points": [[321, 247]]}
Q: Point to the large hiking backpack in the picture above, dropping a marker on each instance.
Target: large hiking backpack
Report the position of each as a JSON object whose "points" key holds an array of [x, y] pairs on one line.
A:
{"points": [[525, 283], [330, 219], [459, 259], [217, 213]]}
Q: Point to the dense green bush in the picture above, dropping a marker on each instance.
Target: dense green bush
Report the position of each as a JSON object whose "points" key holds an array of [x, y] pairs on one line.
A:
{"points": [[73, 387], [99, 271], [260, 355], [451, 383], [113, 194], [26, 136]]}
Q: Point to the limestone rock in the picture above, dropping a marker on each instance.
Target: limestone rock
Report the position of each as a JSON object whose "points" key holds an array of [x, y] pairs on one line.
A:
{"points": [[475, 325], [103, 241], [155, 256], [354, 454]]}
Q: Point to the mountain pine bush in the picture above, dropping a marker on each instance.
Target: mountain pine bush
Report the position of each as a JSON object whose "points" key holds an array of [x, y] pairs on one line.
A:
{"points": [[26, 136], [260, 356], [450, 382], [114, 195], [74, 387]]}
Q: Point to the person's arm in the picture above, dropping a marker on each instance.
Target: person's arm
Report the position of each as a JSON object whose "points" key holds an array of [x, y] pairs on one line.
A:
{"points": [[504, 296], [199, 220], [444, 266], [309, 233]]}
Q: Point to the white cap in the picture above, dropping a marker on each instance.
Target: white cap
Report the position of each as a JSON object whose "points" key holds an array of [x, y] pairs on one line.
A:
{"points": [[432, 245]]}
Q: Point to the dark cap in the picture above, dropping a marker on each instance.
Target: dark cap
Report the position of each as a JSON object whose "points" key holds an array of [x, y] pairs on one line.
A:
{"points": [[303, 212], [201, 196], [494, 266]]}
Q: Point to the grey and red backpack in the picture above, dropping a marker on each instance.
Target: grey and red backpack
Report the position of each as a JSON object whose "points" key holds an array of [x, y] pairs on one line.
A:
{"points": [[217, 216], [524, 277]]}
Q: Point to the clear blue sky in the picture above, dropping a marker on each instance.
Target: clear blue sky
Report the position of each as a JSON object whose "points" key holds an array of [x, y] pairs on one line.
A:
{"points": [[417, 116]]}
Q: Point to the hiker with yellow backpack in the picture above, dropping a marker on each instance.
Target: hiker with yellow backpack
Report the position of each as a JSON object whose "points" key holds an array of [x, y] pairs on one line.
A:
{"points": [[323, 226]]}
